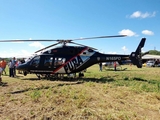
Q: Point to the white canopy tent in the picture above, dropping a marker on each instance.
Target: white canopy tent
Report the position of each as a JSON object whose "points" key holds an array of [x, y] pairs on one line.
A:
{"points": [[147, 57]]}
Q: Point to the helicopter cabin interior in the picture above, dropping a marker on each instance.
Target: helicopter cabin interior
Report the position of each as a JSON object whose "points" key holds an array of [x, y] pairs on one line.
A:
{"points": [[47, 61]]}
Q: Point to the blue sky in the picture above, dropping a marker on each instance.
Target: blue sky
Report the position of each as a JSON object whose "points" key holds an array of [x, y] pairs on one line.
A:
{"points": [[70, 19]]}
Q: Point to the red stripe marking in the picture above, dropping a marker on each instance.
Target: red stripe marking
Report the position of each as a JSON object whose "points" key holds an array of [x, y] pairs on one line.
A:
{"points": [[69, 61]]}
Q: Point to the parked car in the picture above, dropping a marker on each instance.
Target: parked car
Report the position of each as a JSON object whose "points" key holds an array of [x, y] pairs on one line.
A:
{"points": [[150, 63], [158, 65]]}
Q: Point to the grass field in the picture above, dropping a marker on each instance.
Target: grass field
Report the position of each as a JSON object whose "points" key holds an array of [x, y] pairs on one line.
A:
{"points": [[133, 94]]}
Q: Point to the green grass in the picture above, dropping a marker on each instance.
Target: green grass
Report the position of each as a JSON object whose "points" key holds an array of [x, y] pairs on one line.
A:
{"points": [[107, 95]]}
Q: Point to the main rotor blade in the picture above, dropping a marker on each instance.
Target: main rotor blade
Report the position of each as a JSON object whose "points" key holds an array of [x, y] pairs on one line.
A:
{"points": [[83, 45], [145, 53], [47, 47], [27, 40], [62, 40], [101, 37]]}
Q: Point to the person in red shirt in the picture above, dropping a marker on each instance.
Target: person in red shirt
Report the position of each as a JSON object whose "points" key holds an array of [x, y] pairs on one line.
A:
{"points": [[0, 74], [3, 64]]}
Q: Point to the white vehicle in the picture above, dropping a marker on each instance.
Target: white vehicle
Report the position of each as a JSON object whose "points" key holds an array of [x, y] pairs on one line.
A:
{"points": [[151, 63]]}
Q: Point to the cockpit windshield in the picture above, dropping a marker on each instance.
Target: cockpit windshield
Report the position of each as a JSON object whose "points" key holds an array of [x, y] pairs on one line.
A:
{"points": [[35, 61]]}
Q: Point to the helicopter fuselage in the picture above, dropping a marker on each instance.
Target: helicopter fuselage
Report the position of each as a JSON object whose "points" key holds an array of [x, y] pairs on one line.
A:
{"points": [[66, 60]]}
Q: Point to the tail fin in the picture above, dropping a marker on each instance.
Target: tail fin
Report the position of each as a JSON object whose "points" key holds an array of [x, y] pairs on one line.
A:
{"points": [[136, 57]]}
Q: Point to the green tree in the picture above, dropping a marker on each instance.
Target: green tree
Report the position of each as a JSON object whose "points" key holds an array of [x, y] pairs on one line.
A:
{"points": [[154, 52]]}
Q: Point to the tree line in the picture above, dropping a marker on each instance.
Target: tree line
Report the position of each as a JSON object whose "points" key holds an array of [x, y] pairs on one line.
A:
{"points": [[154, 52]]}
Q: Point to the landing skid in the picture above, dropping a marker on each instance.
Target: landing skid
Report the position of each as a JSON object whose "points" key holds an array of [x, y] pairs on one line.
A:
{"points": [[81, 75], [60, 76], [39, 76]]}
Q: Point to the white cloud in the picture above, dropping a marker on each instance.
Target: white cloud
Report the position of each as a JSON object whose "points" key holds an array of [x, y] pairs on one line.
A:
{"points": [[124, 48], [36, 44], [12, 53], [25, 53], [127, 32], [147, 32], [139, 14]]}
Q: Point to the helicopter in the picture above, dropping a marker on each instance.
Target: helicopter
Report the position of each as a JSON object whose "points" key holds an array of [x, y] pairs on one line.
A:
{"points": [[67, 60]]}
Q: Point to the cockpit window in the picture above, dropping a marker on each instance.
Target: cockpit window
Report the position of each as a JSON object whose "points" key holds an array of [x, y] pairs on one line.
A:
{"points": [[35, 61], [48, 61]]}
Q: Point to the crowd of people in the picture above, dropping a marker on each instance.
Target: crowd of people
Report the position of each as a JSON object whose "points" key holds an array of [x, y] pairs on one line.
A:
{"points": [[11, 65]]}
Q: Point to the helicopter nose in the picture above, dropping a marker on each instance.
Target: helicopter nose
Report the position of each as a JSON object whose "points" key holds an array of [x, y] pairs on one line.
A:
{"points": [[21, 67]]}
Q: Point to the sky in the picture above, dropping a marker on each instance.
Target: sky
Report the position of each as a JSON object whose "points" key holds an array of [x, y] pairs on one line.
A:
{"points": [[72, 19]]}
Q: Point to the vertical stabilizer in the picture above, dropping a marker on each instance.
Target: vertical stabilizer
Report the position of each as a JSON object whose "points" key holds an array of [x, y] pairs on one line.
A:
{"points": [[136, 57]]}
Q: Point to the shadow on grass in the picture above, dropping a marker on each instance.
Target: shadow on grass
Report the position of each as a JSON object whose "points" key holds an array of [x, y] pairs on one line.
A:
{"points": [[69, 82], [66, 79], [139, 79], [43, 87], [98, 80], [3, 84], [148, 81], [83, 79]]}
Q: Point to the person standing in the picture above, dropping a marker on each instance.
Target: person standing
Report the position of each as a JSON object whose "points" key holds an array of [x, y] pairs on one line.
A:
{"points": [[11, 67], [3, 66], [1, 70], [115, 66], [14, 66], [23, 61], [100, 66]]}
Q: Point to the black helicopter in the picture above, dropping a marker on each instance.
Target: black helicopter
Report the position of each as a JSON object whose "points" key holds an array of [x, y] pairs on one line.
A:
{"points": [[72, 59]]}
